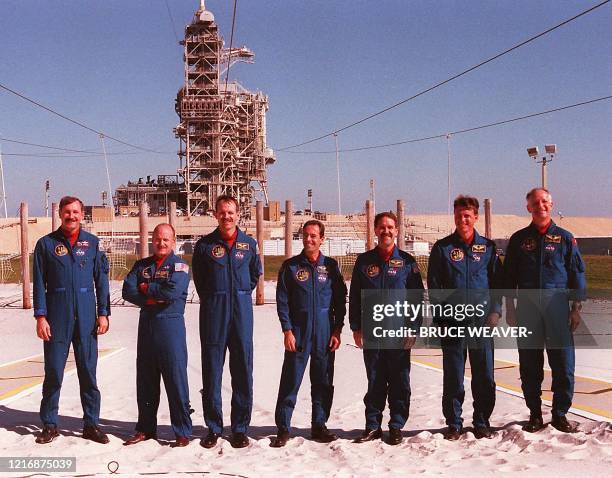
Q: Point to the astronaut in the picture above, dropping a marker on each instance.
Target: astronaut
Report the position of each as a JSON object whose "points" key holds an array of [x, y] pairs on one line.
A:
{"points": [[226, 268], [71, 305], [467, 262], [388, 370], [544, 258], [158, 285], [311, 304]]}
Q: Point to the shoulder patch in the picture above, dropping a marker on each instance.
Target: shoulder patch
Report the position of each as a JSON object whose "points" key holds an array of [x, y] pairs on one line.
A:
{"points": [[456, 254], [372, 270], [181, 267], [218, 251], [529, 244], [61, 250], [302, 274]]}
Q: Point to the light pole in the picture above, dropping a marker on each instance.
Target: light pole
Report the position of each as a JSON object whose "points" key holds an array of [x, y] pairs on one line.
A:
{"points": [[448, 186], [338, 173], [550, 150]]}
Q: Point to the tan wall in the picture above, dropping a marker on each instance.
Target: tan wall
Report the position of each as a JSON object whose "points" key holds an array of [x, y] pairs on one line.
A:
{"points": [[429, 227]]}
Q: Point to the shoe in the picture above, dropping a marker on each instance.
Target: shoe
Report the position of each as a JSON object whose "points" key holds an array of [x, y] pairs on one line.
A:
{"points": [[93, 433], [239, 440], [564, 425], [321, 434], [180, 442], [210, 440], [452, 434], [281, 439], [535, 424], [482, 432], [395, 436], [138, 437], [47, 435], [369, 435]]}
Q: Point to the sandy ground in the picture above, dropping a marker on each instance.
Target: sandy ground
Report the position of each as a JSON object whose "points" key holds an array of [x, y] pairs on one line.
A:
{"points": [[423, 451]]}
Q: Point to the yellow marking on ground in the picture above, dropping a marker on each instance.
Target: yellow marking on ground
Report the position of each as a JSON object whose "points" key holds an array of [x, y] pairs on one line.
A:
{"points": [[34, 366], [586, 408]]}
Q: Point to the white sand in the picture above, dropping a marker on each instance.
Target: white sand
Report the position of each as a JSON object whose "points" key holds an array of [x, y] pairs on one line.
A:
{"points": [[423, 451]]}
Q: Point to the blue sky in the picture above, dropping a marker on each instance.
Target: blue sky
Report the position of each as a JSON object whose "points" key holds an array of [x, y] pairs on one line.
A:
{"points": [[116, 66]]}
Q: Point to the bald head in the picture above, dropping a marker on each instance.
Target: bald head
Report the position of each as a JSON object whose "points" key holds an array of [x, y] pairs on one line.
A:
{"points": [[164, 240]]}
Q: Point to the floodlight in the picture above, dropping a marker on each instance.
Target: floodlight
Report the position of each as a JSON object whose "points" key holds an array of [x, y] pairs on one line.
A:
{"points": [[533, 152], [550, 148]]}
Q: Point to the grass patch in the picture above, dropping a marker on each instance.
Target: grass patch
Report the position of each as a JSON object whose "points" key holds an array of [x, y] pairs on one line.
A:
{"points": [[598, 270]]}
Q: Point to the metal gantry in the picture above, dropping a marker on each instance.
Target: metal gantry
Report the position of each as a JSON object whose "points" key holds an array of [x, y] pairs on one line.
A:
{"points": [[222, 128]]}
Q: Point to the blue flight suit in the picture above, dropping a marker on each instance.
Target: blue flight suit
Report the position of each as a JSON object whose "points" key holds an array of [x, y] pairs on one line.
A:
{"points": [[388, 371], [311, 302], [65, 279], [476, 267], [162, 341], [551, 266], [225, 279]]}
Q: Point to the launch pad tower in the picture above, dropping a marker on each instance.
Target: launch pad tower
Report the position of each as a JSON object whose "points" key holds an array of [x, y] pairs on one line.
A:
{"points": [[222, 128]]}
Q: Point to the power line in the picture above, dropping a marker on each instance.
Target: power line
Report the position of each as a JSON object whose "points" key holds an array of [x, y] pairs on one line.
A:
{"points": [[91, 153], [437, 85], [171, 20], [65, 156], [460, 131], [78, 123], [229, 59], [47, 146]]}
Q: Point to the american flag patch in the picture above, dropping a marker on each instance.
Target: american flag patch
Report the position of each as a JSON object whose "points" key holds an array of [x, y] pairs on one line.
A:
{"points": [[181, 267]]}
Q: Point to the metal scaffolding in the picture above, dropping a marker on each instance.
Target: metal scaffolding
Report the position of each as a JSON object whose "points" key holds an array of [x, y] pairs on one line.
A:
{"points": [[222, 129]]}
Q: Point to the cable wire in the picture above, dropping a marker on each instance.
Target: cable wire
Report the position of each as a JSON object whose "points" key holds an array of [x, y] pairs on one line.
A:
{"points": [[78, 123], [171, 21], [229, 59], [458, 75], [460, 131]]}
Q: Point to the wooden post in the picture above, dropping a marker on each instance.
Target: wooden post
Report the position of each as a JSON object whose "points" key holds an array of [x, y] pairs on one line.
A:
{"points": [[143, 220], [172, 214], [259, 209], [25, 257], [369, 225], [401, 229], [288, 229], [55, 223], [488, 231]]}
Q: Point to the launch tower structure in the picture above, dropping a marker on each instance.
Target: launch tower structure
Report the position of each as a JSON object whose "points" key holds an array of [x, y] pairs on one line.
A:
{"points": [[222, 128]]}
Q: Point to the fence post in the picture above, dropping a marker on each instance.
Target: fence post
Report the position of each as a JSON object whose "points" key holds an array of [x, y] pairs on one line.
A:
{"points": [[143, 221], [401, 230], [25, 257], [488, 232], [172, 214], [370, 225], [288, 229], [54, 216], [259, 293]]}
